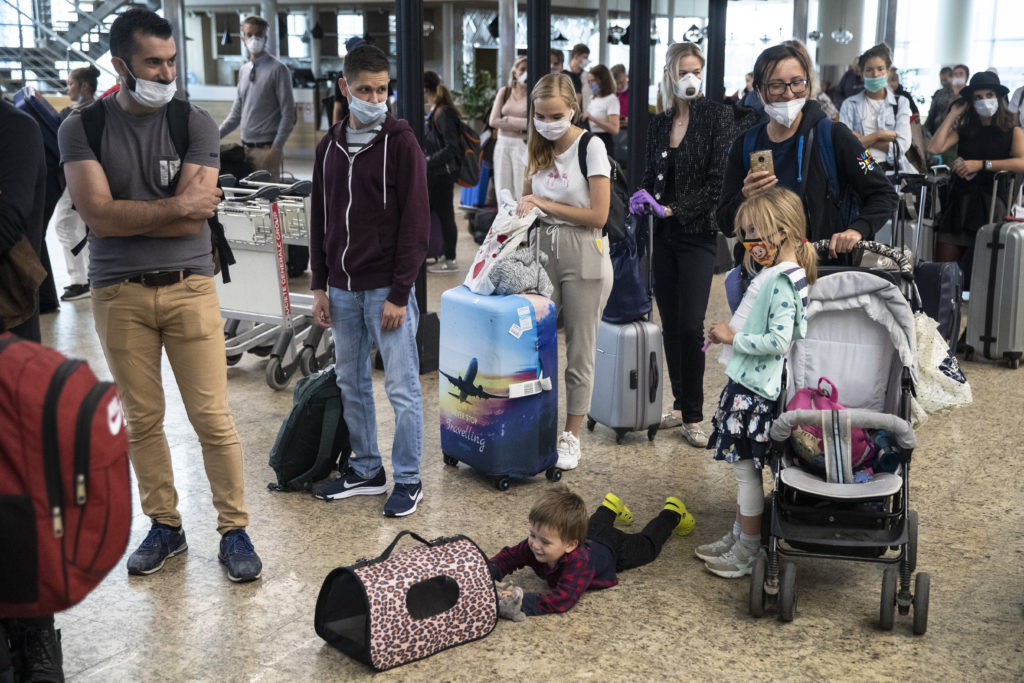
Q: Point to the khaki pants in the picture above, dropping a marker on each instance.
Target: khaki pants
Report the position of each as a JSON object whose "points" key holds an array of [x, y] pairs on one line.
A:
{"points": [[581, 271], [134, 323]]}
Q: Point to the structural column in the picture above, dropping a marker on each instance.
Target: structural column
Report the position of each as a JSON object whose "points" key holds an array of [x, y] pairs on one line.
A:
{"points": [[268, 10], [538, 39], [315, 44], [409, 30], [714, 84], [952, 39], [602, 33], [174, 12], [506, 39], [639, 80], [800, 20]]}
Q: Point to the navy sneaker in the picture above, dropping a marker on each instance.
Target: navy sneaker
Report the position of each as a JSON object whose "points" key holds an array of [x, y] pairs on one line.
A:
{"points": [[403, 500], [351, 484], [237, 552], [161, 543]]}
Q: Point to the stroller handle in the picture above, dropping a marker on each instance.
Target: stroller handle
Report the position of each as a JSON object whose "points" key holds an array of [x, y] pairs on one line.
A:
{"points": [[866, 419]]}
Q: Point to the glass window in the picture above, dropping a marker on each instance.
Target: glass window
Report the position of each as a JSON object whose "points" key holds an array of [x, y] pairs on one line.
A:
{"points": [[298, 24], [349, 25]]}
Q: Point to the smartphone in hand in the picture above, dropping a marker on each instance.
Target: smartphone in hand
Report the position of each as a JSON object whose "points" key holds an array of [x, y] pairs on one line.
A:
{"points": [[762, 161]]}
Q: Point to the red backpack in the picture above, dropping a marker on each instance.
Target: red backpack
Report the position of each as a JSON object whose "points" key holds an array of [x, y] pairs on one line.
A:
{"points": [[65, 489]]}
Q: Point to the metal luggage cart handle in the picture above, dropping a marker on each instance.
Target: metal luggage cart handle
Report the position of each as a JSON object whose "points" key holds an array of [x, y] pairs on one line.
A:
{"points": [[240, 194]]}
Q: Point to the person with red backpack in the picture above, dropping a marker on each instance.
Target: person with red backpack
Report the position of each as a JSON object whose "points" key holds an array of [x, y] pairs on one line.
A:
{"points": [[151, 271]]}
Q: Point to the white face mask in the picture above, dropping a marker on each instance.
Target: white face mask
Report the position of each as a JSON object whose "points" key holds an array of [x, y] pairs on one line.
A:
{"points": [[687, 87], [553, 130], [585, 63], [255, 44], [368, 113], [522, 78], [150, 93], [785, 113], [987, 107], [957, 81]]}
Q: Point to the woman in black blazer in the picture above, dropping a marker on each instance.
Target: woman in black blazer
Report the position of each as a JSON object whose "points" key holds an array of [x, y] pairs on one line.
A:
{"points": [[684, 162]]}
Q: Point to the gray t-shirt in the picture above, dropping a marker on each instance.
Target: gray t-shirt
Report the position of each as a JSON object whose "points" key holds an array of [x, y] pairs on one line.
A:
{"points": [[138, 156]]}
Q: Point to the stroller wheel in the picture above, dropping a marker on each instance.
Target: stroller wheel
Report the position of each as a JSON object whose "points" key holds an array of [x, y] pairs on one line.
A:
{"points": [[912, 540], [757, 596], [787, 592], [887, 609], [922, 586]]}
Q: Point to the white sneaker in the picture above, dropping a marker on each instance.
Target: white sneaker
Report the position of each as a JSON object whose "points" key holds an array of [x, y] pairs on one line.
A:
{"points": [[711, 551], [568, 452]]}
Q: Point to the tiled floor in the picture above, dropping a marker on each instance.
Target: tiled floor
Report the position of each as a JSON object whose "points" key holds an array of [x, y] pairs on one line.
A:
{"points": [[668, 620]]}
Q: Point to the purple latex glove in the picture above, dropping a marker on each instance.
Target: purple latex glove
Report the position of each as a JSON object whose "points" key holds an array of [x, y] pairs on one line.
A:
{"points": [[642, 202]]}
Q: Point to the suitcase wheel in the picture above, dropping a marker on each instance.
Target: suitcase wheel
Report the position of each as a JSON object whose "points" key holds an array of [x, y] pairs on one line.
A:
{"points": [[590, 423], [502, 483], [651, 432], [449, 460], [553, 474], [620, 434], [1013, 361]]}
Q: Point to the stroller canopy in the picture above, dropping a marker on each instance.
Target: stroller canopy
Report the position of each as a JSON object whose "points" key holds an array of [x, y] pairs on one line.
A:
{"points": [[860, 334]]}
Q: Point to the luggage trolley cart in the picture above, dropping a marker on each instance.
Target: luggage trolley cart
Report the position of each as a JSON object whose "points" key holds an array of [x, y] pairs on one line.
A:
{"points": [[252, 223], [317, 350]]}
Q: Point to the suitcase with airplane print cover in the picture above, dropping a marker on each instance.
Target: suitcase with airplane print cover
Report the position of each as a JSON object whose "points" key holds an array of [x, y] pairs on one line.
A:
{"points": [[498, 384]]}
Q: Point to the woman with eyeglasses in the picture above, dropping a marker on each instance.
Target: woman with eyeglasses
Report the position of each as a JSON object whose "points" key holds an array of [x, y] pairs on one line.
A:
{"points": [[845, 193], [683, 164]]}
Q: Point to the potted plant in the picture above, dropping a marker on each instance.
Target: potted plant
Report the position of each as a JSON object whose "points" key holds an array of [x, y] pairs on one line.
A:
{"points": [[477, 95]]}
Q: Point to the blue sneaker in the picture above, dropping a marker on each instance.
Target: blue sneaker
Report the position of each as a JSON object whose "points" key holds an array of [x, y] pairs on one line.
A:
{"points": [[351, 484], [161, 543], [237, 552], [403, 500]]}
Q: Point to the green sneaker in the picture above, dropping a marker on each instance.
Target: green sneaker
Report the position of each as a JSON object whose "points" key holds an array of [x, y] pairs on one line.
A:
{"points": [[712, 551], [736, 562]]}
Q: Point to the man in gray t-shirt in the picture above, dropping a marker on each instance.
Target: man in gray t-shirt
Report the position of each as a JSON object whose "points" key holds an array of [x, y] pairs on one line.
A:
{"points": [[151, 271]]}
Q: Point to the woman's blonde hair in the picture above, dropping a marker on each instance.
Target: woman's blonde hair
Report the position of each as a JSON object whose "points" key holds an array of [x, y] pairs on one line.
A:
{"points": [[676, 51], [774, 212], [512, 82], [541, 150]]}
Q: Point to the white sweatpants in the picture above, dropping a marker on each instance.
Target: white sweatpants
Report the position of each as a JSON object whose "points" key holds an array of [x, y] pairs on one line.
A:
{"points": [[509, 165], [70, 231]]}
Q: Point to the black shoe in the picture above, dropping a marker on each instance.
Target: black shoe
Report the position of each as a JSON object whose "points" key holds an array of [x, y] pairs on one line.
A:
{"points": [[75, 292], [41, 656], [237, 552], [161, 543]]}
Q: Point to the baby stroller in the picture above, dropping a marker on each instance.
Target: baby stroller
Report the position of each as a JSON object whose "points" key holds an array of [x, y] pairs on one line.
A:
{"points": [[860, 334]]}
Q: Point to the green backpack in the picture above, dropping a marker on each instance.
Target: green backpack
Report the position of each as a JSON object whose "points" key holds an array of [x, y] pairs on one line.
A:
{"points": [[314, 438]]}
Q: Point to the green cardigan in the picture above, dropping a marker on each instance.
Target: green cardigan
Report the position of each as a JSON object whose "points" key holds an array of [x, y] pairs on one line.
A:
{"points": [[778, 317]]}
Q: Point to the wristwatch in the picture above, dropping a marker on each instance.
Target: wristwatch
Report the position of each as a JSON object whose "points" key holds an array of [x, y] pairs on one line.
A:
{"points": [[987, 164]]}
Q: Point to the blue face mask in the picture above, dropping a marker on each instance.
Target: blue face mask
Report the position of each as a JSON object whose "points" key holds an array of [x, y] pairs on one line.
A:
{"points": [[367, 112], [875, 84], [595, 88]]}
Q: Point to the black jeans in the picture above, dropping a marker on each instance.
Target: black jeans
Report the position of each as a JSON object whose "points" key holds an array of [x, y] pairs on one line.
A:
{"points": [[632, 550], [440, 189], [683, 268]]}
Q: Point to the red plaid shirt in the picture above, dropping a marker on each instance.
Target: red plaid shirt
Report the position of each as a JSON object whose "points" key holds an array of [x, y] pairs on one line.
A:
{"points": [[589, 566]]}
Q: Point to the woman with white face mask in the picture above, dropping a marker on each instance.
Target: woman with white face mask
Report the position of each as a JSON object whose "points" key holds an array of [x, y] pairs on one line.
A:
{"points": [[683, 163], [570, 234], [988, 141], [879, 119], [508, 117], [830, 185]]}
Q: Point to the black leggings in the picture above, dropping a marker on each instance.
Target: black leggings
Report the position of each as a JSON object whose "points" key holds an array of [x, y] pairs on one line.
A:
{"points": [[440, 188], [632, 550], [683, 268]]}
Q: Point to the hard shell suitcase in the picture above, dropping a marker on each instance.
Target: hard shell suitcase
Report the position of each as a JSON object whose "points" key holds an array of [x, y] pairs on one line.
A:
{"points": [[995, 321], [627, 378], [627, 373], [498, 384], [941, 286]]}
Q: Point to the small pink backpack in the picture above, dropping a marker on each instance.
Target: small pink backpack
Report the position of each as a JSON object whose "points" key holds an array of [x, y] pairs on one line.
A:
{"points": [[806, 439]]}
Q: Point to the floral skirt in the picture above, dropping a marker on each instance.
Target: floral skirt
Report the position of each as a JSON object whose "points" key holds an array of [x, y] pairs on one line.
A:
{"points": [[741, 425]]}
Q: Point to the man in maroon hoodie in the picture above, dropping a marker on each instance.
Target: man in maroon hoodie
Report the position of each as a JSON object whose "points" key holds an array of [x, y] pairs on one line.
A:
{"points": [[368, 238]]}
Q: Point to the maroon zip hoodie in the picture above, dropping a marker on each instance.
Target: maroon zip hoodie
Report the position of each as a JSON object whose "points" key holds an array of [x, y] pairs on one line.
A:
{"points": [[370, 220]]}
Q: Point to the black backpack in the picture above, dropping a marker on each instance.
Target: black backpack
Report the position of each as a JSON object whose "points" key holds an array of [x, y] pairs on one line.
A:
{"points": [[94, 119], [615, 226], [314, 438]]}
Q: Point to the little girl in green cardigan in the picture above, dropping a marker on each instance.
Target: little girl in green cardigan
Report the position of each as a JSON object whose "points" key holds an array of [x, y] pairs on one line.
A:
{"points": [[772, 314]]}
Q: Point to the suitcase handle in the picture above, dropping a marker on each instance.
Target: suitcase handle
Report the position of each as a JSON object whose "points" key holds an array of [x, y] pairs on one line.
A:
{"points": [[995, 193], [654, 377]]}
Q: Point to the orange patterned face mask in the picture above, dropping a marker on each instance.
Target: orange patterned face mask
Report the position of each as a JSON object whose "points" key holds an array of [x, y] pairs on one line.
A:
{"points": [[762, 252]]}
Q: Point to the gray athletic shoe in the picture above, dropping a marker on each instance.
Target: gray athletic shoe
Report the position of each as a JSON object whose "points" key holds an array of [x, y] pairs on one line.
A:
{"points": [[736, 562], [712, 551]]}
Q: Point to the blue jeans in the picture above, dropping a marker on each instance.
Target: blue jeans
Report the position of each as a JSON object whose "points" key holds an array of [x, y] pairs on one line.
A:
{"points": [[355, 318]]}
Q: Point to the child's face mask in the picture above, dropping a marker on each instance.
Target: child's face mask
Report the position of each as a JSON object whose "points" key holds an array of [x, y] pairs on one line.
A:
{"points": [[763, 253]]}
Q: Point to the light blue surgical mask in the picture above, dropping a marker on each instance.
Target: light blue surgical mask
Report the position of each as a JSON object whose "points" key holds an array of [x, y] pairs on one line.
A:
{"points": [[875, 84], [368, 113], [595, 88]]}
